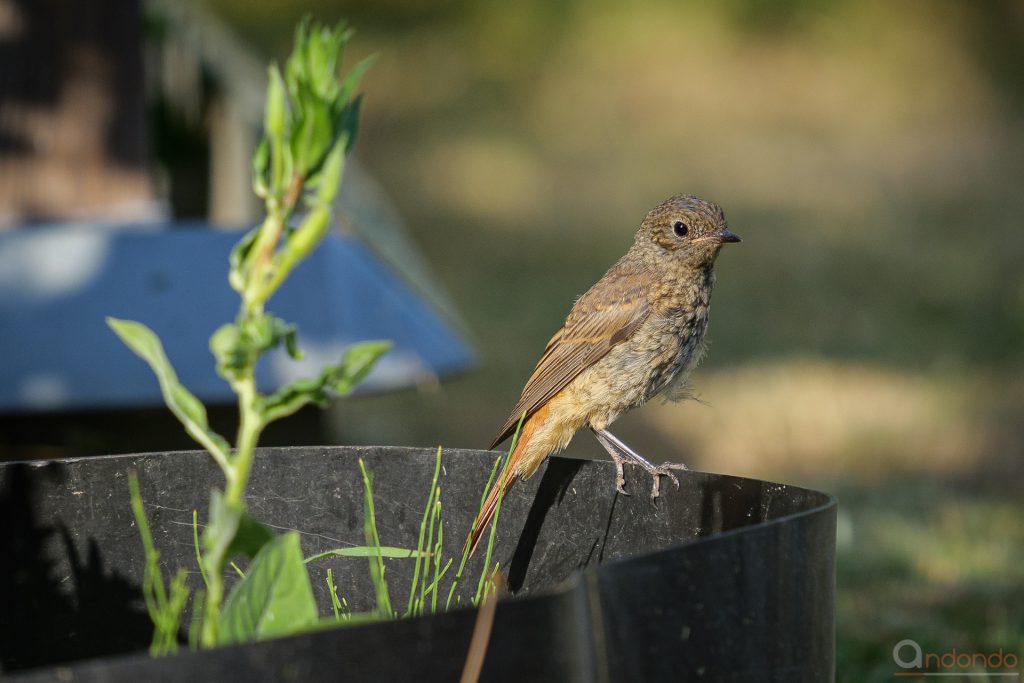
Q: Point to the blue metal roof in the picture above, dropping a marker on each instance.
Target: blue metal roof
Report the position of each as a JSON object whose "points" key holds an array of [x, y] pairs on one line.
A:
{"points": [[58, 283]]}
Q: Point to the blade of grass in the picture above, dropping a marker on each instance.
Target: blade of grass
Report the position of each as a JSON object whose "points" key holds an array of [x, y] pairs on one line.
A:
{"points": [[481, 588], [433, 587], [377, 569], [346, 613], [152, 554], [152, 581], [178, 596], [195, 542], [368, 551], [197, 619], [420, 544], [466, 548], [333, 590], [430, 543], [438, 549], [483, 497]]}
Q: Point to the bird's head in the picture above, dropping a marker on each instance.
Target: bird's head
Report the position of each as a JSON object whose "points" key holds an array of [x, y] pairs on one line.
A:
{"points": [[690, 229]]}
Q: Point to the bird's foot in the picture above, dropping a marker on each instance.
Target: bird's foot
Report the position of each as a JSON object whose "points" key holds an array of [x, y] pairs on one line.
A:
{"points": [[624, 455], [664, 470], [620, 476]]}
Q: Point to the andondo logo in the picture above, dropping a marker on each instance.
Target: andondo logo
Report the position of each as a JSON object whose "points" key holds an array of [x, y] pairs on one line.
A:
{"points": [[914, 661]]}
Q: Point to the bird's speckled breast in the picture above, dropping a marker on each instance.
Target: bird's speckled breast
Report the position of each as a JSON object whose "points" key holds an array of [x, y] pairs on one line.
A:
{"points": [[681, 323], [663, 350]]}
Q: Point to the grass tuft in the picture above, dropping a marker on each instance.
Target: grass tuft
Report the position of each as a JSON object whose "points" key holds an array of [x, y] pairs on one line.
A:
{"points": [[164, 604]]}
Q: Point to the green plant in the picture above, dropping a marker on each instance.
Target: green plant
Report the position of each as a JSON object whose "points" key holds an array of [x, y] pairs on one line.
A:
{"points": [[425, 588], [164, 605], [310, 124]]}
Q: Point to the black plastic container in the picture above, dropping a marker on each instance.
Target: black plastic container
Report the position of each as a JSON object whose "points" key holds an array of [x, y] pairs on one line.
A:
{"points": [[724, 579]]}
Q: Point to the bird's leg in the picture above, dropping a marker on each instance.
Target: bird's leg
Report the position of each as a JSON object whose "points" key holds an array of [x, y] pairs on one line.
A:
{"points": [[617, 458], [623, 454]]}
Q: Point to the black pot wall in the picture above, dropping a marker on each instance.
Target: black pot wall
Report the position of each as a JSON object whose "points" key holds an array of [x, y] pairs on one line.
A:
{"points": [[726, 579]]}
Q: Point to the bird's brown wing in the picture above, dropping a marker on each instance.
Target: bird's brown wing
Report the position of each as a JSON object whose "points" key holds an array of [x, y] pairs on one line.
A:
{"points": [[603, 317]]}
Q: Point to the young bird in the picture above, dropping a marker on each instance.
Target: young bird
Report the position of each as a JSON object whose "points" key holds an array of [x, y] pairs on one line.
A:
{"points": [[634, 335]]}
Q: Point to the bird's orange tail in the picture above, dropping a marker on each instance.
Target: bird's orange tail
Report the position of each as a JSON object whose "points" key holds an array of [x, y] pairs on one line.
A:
{"points": [[505, 480]]}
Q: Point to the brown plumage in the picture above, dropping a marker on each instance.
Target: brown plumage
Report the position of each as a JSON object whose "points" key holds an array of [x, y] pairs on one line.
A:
{"points": [[634, 335]]}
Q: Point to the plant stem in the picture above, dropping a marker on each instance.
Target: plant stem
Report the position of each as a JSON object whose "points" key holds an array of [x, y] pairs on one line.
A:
{"points": [[249, 429], [278, 214], [266, 241], [211, 610], [237, 475]]}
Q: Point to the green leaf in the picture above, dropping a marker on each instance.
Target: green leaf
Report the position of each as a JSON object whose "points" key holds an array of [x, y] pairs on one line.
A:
{"points": [[275, 597], [328, 180], [250, 537], [277, 125], [350, 122], [322, 58], [185, 406], [275, 118], [226, 347], [291, 342], [319, 100], [260, 332], [342, 378], [219, 532], [237, 347], [316, 56], [273, 332], [237, 273], [314, 132], [261, 168], [321, 141], [295, 68], [353, 77], [300, 243], [355, 365], [230, 532], [369, 551]]}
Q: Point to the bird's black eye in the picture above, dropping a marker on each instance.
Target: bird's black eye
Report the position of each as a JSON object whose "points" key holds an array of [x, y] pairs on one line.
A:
{"points": [[681, 228]]}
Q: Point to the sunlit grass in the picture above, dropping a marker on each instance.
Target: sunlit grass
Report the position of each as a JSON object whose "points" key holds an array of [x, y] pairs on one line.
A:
{"points": [[923, 560], [821, 419]]}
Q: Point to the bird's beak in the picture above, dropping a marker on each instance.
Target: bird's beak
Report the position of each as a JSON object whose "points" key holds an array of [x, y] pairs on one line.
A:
{"points": [[727, 236]]}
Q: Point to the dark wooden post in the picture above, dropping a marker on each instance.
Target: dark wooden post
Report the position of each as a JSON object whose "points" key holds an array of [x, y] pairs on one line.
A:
{"points": [[72, 111]]}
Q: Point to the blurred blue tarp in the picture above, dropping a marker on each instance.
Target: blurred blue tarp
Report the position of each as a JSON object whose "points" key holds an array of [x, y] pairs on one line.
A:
{"points": [[57, 284]]}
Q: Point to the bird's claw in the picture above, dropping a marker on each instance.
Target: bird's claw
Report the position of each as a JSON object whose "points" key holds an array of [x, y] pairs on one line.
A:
{"points": [[664, 470], [620, 476]]}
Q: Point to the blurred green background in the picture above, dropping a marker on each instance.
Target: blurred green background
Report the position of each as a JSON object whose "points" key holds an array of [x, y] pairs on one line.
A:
{"points": [[868, 335]]}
